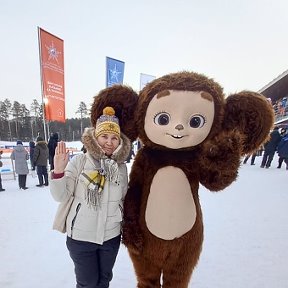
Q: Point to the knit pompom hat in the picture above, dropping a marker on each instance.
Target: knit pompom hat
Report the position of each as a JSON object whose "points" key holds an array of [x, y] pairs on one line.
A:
{"points": [[107, 123]]}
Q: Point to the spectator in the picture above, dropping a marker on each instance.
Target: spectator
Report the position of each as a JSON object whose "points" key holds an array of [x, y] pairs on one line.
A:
{"points": [[31, 153], [40, 158], [52, 144], [20, 156], [281, 159], [131, 155], [283, 106], [283, 149], [270, 148], [1, 164]]}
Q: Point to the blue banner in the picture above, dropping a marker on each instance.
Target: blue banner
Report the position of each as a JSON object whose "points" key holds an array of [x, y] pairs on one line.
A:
{"points": [[114, 71]]}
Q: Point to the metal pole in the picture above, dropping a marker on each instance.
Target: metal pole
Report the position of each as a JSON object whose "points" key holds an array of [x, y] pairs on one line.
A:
{"points": [[42, 85], [48, 131]]}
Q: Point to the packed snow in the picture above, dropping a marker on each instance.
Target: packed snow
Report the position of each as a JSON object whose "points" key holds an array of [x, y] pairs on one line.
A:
{"points": [[245, 245]]}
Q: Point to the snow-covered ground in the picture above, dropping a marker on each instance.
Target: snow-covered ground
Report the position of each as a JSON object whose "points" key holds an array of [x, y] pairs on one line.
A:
{"points": [[245, 246]]}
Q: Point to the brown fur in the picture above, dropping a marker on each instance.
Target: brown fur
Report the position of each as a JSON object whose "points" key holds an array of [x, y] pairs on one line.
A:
{"points": [[241, 123]]}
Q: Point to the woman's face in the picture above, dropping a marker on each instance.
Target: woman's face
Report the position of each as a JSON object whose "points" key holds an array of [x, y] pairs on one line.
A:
{"points": [[108, 142]]}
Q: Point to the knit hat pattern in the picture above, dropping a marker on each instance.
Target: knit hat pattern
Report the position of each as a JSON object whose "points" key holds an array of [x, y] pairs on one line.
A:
{"points": [[107, 123]]}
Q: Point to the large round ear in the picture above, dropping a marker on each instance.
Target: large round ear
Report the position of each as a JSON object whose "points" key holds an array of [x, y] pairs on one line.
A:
{"points": [[251, 114], [124, 101]]}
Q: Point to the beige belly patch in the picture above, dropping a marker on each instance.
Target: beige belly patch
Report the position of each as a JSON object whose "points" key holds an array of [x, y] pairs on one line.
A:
{"points": [[170, 210]]}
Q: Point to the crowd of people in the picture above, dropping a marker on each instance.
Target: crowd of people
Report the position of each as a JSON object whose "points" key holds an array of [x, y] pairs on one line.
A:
{"points": [[39, 154], [277, 143], [281, 108]]}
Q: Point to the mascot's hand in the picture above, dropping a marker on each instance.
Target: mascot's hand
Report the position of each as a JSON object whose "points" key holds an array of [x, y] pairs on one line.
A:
{"points": [[221, 160], [132, 237], [224, 150]]}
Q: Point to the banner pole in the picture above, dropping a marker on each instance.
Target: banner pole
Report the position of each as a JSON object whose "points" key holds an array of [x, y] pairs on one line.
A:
{"points": [[42, 85]]}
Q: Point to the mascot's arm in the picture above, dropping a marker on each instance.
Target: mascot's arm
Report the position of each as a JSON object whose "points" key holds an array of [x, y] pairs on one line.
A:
{"points": [[252, 115], [220, 161], [247, 121], [131, 234]]}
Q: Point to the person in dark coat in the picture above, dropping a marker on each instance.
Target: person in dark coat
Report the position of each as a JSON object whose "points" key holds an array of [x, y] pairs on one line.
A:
{"points": [[270, 148], [281, 159], [20, 156], [131, 155], [52, 144], [283, 149], [31, 153], [40, 159]]}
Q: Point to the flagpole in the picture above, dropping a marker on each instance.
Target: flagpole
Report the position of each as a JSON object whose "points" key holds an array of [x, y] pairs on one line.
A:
{"points": [[42, 85]]}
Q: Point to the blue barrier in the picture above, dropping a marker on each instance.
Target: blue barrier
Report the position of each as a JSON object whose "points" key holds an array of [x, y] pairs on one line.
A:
{"points": [[5, 170]]}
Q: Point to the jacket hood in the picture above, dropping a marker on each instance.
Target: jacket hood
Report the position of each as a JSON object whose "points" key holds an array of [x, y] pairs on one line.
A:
{"points": [[93, 148], [19, 148], [41, 145]]}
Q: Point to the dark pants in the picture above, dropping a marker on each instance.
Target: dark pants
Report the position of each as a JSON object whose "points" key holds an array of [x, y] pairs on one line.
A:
{"points": [[252, 158], [267, 159], [51, 162], [22, 181], [93, 262], [42, 173]]}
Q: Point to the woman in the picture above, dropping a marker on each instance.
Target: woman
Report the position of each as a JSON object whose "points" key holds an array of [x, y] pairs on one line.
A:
{"points": [[98, 182], [20, 155]]}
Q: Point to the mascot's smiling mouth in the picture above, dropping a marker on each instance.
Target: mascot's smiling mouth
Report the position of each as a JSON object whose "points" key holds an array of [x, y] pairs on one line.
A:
{"points": [[176, 136]]}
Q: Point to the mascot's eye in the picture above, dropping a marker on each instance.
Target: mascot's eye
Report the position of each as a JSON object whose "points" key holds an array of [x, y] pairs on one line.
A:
{"points": [[197, 121], [162, 118]]}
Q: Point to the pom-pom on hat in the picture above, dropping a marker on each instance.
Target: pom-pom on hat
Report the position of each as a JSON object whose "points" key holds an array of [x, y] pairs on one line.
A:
{"points": [[107, 123]]}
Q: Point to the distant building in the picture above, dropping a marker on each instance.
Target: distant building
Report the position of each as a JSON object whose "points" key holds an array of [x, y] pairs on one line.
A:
{"points": [[277, 91]]}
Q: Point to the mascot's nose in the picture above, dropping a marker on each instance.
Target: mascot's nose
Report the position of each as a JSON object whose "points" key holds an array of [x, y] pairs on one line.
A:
{"points": [[179, 127]]}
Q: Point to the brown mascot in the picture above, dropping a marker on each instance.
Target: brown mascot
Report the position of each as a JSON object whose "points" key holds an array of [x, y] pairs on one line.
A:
{"points": [[191, 135]]}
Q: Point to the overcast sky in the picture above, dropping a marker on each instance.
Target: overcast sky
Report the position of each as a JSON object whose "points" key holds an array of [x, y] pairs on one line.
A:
{"points": [[242, 44]]}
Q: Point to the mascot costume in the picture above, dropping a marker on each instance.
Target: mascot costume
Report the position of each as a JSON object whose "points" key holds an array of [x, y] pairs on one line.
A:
{"points": [[191, 135]]}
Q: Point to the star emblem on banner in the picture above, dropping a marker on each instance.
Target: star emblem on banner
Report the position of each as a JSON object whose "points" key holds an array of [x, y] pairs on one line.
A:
{"points": [[114, 74], [53, 53]]}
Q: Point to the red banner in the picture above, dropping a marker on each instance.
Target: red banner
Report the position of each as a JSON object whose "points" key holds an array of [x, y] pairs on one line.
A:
{"points": [[52, 74]]}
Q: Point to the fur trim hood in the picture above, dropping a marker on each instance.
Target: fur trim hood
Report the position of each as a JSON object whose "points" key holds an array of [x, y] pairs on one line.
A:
{"points": [[120, 154]]}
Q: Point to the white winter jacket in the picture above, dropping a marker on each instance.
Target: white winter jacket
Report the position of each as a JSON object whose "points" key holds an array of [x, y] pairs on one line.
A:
{"points": [[101, 222]]}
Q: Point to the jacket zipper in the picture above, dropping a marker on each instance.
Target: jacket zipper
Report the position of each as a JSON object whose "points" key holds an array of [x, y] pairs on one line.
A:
{"points": [[73, 221]]}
